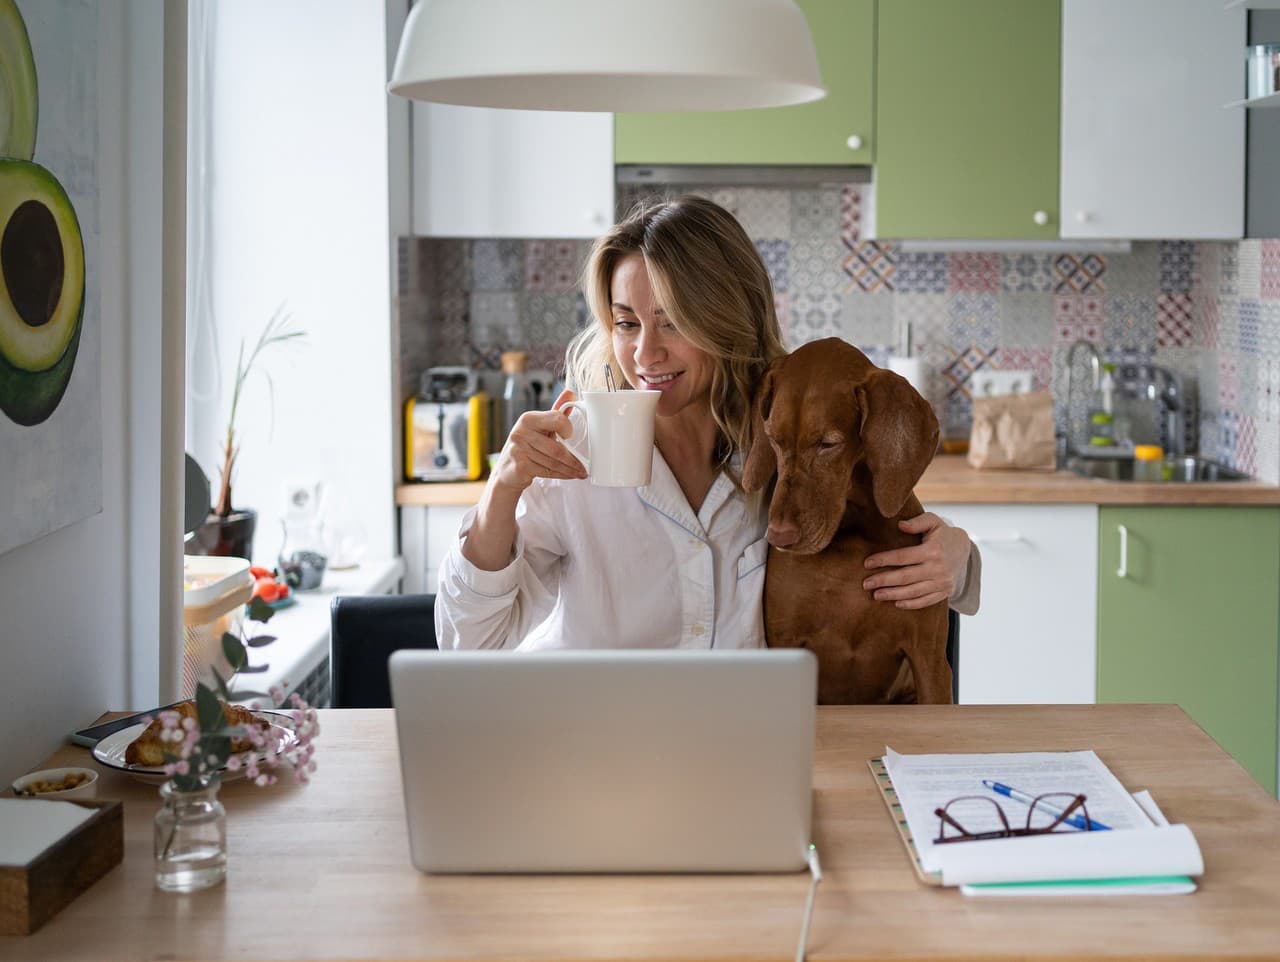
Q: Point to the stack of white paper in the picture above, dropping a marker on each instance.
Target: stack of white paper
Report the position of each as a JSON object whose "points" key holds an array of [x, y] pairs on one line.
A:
{"points": [[1141, 852]]}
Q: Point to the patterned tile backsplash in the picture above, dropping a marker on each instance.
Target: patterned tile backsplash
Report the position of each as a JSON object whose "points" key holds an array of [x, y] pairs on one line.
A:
{"points": [[1207, 311]]}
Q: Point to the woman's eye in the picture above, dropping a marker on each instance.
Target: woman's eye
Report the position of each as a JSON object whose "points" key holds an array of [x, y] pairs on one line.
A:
{"points": [[622, 324]]}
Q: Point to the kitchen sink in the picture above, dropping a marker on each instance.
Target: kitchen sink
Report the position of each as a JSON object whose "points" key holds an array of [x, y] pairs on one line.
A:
{"points": [[1173, 469]]}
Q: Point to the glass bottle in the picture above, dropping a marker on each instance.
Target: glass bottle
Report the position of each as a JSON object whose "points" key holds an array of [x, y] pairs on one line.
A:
{"points": [[516, 396], [190, 838]]}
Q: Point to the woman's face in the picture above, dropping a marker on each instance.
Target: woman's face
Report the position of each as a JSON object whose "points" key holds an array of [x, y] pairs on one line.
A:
{"points": [[652, 354]]}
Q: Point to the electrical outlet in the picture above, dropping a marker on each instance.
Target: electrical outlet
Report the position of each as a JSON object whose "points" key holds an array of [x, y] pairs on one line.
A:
{"points": [[989, 383]]}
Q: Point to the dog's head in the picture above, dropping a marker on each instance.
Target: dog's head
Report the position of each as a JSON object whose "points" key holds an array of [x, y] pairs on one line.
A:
{"points": [[828, 423]]}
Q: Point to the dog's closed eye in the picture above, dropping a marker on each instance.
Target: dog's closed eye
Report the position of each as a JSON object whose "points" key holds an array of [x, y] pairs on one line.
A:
{"points": [[829, 442]]}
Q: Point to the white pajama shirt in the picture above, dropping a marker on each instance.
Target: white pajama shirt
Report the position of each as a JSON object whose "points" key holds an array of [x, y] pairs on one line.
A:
{"points": [[596, 567]]}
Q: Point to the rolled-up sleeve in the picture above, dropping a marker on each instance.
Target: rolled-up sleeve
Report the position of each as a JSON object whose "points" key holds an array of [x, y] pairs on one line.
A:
{"points": [[967, 595], [497, 609]]}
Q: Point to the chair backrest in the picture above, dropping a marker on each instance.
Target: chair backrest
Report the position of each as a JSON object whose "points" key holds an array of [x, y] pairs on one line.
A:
{"points": [[364, 631], [953, 653]]}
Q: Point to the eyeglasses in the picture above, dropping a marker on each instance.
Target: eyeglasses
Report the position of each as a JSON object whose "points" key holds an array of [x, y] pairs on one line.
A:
{"points": [[1046, 813]]}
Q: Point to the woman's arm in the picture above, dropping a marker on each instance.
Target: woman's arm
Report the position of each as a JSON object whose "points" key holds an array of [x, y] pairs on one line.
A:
{"points": [[945, 566], [531, 451], [501, 577]]}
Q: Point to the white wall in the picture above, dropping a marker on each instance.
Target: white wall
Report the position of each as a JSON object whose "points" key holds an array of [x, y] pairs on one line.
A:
{"points": [[70, 646], [298, 181]]}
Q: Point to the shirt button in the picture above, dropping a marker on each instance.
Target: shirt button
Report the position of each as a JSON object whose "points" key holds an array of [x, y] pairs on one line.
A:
{"points": [[696, 630]]}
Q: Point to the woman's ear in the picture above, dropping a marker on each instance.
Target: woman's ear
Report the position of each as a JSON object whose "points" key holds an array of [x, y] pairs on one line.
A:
{"points": [[899, 437], [761, 463]]}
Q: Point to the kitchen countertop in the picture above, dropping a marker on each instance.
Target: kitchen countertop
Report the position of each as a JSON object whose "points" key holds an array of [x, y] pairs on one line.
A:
{"points": [[950, 480]]}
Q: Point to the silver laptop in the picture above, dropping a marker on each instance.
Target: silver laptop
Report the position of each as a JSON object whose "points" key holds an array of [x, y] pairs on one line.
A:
{"points": [[606, 761]]}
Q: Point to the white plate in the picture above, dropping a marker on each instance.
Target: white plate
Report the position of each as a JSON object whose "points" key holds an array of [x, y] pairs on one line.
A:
{"points": [[110, 751]]}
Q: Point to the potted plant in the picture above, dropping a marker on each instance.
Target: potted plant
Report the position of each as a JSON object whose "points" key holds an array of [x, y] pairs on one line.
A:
{"points": [[228, 531]]}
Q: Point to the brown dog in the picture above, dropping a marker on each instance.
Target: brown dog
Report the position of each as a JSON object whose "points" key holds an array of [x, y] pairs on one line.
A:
{"points": [[846, 442]]}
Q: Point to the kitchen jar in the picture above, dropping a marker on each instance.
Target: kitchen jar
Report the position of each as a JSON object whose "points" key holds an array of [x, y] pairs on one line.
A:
{"points": [[1148, 462], [1264, 70]]}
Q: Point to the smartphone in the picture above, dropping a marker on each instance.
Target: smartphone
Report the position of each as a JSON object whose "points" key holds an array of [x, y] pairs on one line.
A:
{"points": [[88, 737]]}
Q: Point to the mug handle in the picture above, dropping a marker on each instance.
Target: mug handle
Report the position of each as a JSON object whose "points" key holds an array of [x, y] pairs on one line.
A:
{"points": [[565, 408]]}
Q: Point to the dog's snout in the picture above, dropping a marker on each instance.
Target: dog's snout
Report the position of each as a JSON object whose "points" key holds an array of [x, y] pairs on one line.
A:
{"points": [[783, 534]]}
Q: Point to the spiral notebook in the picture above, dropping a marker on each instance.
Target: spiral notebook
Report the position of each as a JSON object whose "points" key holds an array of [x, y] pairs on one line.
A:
{"points": [[1143, 856]]}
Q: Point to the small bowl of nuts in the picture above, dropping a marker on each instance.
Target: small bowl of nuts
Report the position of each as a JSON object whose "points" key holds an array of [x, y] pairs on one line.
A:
{"points": [[58, 783]]}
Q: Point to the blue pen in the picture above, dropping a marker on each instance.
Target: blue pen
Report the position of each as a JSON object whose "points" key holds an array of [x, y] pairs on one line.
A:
{"points": [[1075, 821]]}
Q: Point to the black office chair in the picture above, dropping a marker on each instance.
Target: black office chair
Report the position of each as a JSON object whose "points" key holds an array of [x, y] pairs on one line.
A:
{"points": [[364, 631], [953, 653]]}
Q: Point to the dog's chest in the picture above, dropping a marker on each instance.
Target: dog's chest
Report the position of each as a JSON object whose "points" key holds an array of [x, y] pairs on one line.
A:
{"points": [[839, 567]]}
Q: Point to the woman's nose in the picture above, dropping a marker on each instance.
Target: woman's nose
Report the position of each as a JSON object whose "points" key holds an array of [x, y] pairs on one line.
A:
{"points": [[649, 348]]}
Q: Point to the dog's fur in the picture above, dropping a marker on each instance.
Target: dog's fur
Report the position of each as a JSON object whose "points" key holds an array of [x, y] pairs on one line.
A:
{"points": [[844, 443]]}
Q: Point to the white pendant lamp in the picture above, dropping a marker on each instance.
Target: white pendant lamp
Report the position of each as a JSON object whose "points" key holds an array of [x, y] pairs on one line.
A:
{"points": [[608, 55]]}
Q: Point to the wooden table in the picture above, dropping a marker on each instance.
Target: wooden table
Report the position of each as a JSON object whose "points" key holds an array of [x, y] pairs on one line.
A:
{"points": [[322, 872]]}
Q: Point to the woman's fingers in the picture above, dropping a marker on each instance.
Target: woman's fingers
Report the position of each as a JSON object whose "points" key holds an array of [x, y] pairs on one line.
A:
{"points": [[921, 523], [533, 445], [924, 601]]}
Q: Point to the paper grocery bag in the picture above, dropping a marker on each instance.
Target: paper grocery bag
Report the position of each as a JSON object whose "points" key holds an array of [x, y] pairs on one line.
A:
{"points": [[1013, 431]]}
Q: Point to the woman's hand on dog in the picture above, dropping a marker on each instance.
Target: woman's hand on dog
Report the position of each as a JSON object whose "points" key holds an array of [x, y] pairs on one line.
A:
{"points": [[923, 574], [532, 450]]}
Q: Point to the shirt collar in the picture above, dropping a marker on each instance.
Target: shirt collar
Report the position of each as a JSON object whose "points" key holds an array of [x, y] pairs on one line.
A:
{"points": [[663, 494]]}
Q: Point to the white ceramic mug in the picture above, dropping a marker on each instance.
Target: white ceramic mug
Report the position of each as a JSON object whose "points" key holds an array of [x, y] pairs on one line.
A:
{"points": [[619, 432]]}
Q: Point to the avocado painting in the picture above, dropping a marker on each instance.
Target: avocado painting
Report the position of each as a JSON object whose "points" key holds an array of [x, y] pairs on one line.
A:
{"points": [[50, 347]]}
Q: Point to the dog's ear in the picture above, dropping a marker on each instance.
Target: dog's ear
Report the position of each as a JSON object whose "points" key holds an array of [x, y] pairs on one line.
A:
{"points": [[899, 437], [761, 463]]}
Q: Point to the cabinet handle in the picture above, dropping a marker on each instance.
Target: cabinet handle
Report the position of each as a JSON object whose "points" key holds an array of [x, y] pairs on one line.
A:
{"points": [[593, 216], [1012, 537], [854, 142], [1123, 570], [1082, 216], [1040, 217]]}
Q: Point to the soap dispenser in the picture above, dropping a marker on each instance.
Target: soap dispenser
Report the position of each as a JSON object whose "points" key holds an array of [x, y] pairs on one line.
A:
{"points": [[1102, 410]]}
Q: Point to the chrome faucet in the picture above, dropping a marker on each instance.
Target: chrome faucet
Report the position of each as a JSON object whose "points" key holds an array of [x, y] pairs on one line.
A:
{"points": [[1095, 362], [1173, 402]]}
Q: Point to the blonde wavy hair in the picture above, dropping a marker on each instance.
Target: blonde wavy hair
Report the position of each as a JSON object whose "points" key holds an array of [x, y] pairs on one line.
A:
{"points": [[714, 288]]}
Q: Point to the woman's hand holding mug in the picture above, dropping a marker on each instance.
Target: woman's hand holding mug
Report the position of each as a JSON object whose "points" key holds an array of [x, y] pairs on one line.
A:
{"points": [[533, 451]]}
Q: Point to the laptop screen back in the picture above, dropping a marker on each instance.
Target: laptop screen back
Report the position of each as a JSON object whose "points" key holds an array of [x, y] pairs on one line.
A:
{"points": [[606, 761]]}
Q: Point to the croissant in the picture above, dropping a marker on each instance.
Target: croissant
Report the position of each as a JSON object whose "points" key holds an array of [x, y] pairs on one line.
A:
{"points": [[147, 749]]}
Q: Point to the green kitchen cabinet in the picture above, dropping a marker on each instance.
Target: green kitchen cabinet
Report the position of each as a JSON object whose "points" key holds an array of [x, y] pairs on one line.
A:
{"points": [[1188, 613], [967, 118], [818, 133]]}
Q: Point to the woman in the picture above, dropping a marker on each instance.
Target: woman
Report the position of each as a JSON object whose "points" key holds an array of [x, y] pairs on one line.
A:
{"points": [[682, 305]]}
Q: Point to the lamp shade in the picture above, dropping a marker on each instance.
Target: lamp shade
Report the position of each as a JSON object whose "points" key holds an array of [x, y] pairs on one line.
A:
{"points": [[608, 55]]}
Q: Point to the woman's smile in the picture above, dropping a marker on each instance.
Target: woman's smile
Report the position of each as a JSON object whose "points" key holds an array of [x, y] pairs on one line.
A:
{"points": [[659, 382]]}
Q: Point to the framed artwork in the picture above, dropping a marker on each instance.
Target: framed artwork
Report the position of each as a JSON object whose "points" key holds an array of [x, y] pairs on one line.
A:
{"points": [[50, 311]]}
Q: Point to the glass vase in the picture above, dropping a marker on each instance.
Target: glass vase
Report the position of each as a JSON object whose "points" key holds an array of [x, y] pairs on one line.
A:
{"points": [[303, 555], [190, 838]]}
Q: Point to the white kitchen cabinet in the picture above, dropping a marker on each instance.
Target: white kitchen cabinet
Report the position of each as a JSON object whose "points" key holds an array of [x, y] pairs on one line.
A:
{"points": [[481, 172], [1034, 638], [1148, 150], [426, 534]]}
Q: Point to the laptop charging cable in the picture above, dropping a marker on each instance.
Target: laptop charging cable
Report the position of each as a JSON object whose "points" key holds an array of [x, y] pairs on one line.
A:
{"points": [[815, 872]]}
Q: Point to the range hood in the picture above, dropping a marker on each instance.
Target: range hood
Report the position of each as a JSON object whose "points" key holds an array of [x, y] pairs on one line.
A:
{"points": [[737, 175], [833, 175]]}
